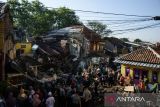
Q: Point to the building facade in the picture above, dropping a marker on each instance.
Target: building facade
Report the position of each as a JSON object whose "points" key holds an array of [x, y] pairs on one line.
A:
{"points": [[141, 64]]}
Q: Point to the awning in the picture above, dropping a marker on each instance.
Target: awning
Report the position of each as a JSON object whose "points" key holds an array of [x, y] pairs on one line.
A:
{"points": [[137, 63]]}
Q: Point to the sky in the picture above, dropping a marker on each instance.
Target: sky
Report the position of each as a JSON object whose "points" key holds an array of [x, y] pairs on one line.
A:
{"points": [[133, 7]]}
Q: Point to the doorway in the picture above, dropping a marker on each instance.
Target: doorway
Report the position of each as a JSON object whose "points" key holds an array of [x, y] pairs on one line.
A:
{"points": [[139, 74]]}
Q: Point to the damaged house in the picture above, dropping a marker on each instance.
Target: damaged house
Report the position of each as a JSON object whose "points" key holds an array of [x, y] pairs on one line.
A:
{"points": [[82, 42]]}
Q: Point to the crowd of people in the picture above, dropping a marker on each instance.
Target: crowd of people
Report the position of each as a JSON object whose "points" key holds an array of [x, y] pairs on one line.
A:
{"points": [[75, 91], [49, 95]]}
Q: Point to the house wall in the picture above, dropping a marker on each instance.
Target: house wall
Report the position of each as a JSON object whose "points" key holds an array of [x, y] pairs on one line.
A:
{"points": [[110, 46], [6, 40], [150, 75], [2, 56], [101, 46], [150, 71], [6, 30], [131, 72], [1, 34], [96, 47], [159, 77], [27, 47]]}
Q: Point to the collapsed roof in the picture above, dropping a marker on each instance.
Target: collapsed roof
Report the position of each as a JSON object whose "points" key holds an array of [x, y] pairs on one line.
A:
{"points": [[75, 31]]}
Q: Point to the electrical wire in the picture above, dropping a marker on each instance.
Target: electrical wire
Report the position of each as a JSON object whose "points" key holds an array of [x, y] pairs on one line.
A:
{"points": [[119, 14], [128, 24], [123, 32], [139, 28], [105, 13], [121, 20]]}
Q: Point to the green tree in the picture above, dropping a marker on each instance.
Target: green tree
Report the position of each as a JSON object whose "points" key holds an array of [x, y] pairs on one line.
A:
{"points": [[99, 28], [66, 17], [42, 18], [124, 39], [137, 40], [36, 19], [33, 17]]}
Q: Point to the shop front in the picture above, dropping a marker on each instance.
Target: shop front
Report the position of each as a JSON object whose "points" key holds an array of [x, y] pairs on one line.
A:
{"points": [[140, 73]]}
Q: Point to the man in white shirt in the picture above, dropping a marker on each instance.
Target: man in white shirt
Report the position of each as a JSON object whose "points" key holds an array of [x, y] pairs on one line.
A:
{"points": [[50, 100]]}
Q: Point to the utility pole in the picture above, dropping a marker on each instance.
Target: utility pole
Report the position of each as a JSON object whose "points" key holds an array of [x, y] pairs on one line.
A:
{"points": [[156, 18]]}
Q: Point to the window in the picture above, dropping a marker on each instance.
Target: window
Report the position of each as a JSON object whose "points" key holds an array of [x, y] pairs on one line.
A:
{"points": [[127, 71], [154, 77], [140, 74], [23, 46], [136, 74]]}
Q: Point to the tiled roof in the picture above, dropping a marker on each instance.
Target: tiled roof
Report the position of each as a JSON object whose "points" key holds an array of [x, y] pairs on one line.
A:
{"points": [[144, 55]]}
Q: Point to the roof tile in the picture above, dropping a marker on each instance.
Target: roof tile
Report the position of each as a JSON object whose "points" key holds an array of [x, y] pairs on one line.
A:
{"points": [[144, 55]]}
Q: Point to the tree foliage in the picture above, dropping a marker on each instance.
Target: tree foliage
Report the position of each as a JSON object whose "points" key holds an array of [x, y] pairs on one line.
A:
{"points": [[65, 17], [137, 40], [99, 28], [36, 19], [125, 39]]}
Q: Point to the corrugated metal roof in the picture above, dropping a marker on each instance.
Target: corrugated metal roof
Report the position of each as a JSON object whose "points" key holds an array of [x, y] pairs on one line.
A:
{"points": [[145, 65], [79, 29], [138, 63]]}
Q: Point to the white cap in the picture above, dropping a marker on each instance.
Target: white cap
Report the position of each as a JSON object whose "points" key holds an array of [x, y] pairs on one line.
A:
{"points": [[50, 93], [98, 69]]}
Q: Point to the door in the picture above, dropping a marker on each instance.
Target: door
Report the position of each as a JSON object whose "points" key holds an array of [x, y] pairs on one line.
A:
{"points": [[140, 74]]}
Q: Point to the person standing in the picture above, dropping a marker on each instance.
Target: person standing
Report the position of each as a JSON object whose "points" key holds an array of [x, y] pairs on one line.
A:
{"points": [[22, 98], [87, 96], [96, 83], [36, 100], [102, 80], [118, 76], [121, 80], [2, 102], [76, 100], [110, 79], [50, 100], [68, 95], [30, 97], [11, 100], [62, 97]]}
